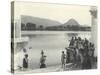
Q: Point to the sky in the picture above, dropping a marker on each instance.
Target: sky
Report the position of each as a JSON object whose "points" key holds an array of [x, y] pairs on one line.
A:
{"points": [[59, 12]]}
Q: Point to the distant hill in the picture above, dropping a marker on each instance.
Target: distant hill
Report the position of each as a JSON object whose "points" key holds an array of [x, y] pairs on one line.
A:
{"points": [[71, 22], [39, 21], [36, 23]]}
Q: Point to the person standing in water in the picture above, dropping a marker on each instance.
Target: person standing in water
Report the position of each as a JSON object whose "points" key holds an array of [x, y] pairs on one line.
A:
{"points": [[42, 60], [63, 60], [25, 61]]}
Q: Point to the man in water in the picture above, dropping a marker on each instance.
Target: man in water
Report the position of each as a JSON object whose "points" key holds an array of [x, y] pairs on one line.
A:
{"points": [[63, 60], [25, 61], [42, 60]]}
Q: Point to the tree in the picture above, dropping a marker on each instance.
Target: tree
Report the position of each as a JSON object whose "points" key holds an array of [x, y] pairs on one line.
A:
{"points": [[41, 27], [30, 26], [23, 26]]}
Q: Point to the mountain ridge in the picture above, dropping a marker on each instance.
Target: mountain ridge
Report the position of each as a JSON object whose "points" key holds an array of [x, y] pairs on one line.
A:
{"points": [[71, 22], [38, 21]]}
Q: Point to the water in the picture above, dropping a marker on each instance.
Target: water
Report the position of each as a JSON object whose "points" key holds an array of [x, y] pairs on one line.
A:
{"points": [[51, 42]]}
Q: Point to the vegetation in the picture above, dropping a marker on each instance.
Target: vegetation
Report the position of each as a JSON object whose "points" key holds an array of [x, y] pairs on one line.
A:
{"points": [[32, 27]]}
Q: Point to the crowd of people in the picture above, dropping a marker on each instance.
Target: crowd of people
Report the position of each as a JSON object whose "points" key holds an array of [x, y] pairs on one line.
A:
{"points": [[79, 52]]}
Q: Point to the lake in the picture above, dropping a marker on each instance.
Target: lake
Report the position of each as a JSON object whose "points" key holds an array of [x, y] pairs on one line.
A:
{"points": [[51, 42]]}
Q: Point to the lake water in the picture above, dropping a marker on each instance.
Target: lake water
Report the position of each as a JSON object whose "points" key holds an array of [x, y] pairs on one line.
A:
{"points": [[51, 42]]}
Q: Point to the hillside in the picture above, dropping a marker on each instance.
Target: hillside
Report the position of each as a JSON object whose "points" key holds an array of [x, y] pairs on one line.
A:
{"points": [[39, 21], [71, 22]]}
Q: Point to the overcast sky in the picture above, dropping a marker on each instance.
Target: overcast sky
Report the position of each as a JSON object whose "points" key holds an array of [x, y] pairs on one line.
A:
{"points": [[61, 13]]}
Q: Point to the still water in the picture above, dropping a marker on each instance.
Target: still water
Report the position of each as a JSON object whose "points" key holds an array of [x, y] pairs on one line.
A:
{"points": [[51, 42]]}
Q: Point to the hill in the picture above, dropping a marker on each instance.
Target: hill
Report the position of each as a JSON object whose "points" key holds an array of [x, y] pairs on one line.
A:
{"points": [[71, 22], [38, 21]]}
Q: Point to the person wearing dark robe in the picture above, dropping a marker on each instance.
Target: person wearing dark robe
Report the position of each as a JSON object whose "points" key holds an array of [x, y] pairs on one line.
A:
{"points": [[92, 50], [63, 59], [72, 42], [25, 61], [67, 55], [74, 55], [42, 60]]}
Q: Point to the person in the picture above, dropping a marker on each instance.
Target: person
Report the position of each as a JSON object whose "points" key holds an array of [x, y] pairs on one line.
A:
{"points": [[71, 42], [42, 60], [67, 55], [63, 59], [91, 53], [93, 50], [86, 42], [25, 61], [86, 62], [76, 43], [75, 55]]}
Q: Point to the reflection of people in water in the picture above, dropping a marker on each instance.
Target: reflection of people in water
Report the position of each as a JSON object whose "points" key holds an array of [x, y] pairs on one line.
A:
{"points": [[42, 60], [63, 59], [25, 61]]}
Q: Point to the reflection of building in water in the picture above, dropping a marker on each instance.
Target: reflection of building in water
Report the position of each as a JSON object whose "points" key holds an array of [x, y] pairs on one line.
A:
{"points": [[93, 12]]}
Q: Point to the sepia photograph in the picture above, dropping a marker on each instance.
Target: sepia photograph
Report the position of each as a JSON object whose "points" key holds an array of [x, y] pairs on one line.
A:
{"points": [[50, 37]]}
